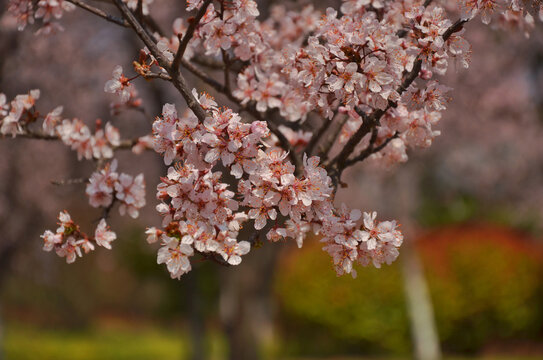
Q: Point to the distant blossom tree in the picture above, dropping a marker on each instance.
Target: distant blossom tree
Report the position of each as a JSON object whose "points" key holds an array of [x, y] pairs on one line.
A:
{"points": [[313, 94]]}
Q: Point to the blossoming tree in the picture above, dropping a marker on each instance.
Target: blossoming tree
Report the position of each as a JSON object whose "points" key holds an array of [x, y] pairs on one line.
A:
{"points": [[311, 95]]}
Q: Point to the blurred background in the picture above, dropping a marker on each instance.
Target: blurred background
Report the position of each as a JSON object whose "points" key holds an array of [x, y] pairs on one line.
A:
{"points": [[468, 283]]}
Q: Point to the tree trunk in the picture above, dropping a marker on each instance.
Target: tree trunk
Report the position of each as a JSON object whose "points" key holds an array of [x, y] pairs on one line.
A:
{"points": [[419, 304], [2, 355], [196, 318], [421, 314], [246, 305]]}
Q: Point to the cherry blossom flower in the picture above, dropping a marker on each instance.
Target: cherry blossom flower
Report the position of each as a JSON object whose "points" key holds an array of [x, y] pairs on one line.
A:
{"points": [[175, 255], [4, 106], [103, 236], [10, 123], [231, 250], [101, 186], [131, 192], [68, 241], [375, 76], [48, 9], [153, 234], [52, 119], [119, 85], [347, 78]]}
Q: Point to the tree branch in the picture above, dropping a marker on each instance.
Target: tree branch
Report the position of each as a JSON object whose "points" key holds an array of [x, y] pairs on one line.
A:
{"points": [[177, 79], [188, 35], [317, 136], [369, 151], [101, 13]]}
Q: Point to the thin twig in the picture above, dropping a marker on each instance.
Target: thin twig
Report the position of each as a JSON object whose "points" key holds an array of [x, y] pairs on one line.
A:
{"points": [[139, 11], [457, 26], [101, 13], [317, 136], [177, 79], [374, 119], [226, 61], [369, 151], [69, 181], [188, 35], [329, 142]]}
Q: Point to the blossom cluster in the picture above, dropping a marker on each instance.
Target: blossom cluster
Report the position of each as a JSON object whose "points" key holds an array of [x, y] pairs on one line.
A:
{"points": [[200, 212], [27, 11], [106, 186], [372, 242], [373, 66], [70, 242], [356, 62], [18, 115], [78, 136]]}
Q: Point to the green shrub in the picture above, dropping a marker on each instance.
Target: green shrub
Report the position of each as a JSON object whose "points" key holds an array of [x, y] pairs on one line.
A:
{"points": [[484, 282]]}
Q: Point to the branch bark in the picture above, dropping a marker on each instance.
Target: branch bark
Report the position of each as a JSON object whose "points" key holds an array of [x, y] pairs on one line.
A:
{"points": [[177, 79]]}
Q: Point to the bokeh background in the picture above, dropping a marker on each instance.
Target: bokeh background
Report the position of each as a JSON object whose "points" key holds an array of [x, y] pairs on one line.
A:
{"points": [[468, 284]]}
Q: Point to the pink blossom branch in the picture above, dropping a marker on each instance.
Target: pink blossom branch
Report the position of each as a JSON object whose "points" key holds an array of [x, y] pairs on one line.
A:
{"points": [[177, 79], [374, 119], [188, 35], [123, 144], [249, 108], [179, 82]]}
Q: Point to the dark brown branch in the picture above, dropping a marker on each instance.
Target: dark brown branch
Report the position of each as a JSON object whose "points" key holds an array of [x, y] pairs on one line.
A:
{"points": [[456, 27], [36, 135], [235, 65], [207, 79], [317, 136], [123, 144], [226, 61], [249, 108], [158, 76], [101, 13], [325, 148], [177, 79], [374, 119], [139, 10], [371, 149], [188, 35]]}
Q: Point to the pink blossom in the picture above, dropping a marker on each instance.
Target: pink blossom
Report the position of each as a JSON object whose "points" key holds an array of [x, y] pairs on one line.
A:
{"points": [[101, 186], [119, 85], [131, 192], [175, 255], [103, 236], [231, 250], [52, 119]]}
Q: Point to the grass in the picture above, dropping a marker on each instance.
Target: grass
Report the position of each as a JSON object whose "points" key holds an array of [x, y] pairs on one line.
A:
{"points": [[22, 343], [114, 343]]}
